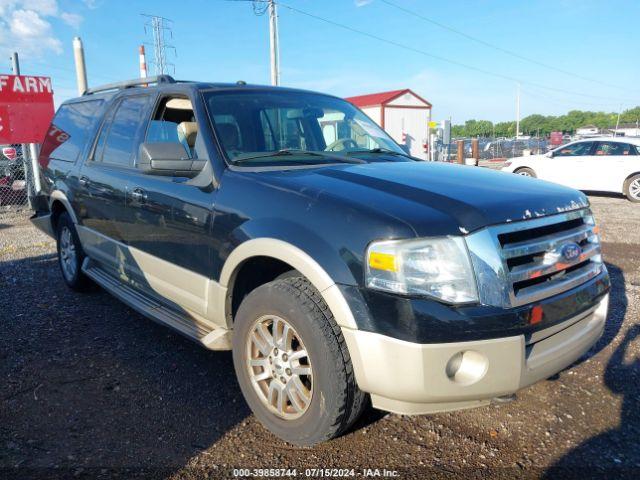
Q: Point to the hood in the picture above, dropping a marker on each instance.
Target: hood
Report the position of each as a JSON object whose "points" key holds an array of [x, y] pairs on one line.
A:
{"points": [[469, 198]]}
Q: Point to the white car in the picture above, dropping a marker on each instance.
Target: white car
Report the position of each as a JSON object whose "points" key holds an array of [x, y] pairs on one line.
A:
{"points": [[599, 164]]}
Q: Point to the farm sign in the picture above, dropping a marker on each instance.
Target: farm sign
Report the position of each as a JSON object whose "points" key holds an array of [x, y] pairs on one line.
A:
{"points": [[26, 108]]}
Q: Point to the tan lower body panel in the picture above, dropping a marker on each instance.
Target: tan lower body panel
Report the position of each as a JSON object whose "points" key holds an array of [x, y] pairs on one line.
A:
{"points": [[410, 378], [196, 294]]}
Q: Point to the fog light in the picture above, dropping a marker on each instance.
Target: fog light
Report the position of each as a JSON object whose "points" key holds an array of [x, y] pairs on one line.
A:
{"points": [[466, 368]]}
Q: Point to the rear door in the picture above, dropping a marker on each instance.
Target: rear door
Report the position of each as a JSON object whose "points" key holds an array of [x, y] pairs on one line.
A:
{"points": [[104, 177], [609, 166]]}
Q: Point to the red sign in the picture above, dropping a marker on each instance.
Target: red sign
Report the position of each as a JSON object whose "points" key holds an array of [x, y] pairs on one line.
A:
{"points": [[55, 137], [26, 108], [556, 138]]}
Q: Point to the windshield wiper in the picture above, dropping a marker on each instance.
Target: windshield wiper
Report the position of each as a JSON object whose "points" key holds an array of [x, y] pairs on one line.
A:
{"points": [[379, 150], [291, 151]]}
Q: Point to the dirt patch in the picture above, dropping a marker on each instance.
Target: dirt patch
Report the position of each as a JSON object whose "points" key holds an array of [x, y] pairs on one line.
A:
{"points": [[91, 388]]}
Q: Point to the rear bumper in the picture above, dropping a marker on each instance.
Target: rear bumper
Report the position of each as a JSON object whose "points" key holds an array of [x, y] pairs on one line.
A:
{"points": [[412, 378]]}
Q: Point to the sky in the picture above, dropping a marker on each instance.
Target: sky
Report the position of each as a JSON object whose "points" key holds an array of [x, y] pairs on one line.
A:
{"points": [[465, 57]]}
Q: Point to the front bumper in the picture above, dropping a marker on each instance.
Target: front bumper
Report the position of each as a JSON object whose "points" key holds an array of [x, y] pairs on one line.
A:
{"points": [[411, 378]]}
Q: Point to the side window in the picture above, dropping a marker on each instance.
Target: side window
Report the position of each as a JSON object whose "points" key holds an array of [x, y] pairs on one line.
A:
{"points": [[614, 148], [174, 121], [574, 150], [120, 139], [70, 130]]}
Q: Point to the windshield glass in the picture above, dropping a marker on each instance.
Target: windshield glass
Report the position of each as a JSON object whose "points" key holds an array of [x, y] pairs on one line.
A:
{"points": [[283, 128]]}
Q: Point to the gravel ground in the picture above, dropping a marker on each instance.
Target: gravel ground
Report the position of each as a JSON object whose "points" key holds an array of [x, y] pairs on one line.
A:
{"points": [[90, 388]]}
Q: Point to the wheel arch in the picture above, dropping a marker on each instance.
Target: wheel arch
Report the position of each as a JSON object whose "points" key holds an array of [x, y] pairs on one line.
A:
{"points": [[286, 254], [58, 204], [522, 167], [629, 177]]}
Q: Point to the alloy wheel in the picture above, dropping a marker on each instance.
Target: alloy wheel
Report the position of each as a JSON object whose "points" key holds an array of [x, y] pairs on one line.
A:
{"points": [[634, 189], [68, 255], [279, 367]]}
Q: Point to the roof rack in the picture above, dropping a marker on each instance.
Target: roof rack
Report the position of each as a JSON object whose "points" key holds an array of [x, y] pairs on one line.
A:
{"points": [[130, 83]]}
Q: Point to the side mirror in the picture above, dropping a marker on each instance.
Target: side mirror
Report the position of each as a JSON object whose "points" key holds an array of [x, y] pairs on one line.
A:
{"points": [[167, 159], [549, 154]]}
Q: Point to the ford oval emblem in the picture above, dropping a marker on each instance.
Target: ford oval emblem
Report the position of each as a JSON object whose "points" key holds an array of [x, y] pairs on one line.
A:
{"points": [[571, 251]]}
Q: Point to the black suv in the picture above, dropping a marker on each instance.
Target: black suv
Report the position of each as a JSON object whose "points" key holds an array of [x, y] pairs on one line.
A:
{"points": [[287, 226]]}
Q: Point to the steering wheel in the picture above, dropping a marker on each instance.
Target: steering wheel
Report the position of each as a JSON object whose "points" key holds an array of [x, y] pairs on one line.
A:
{"points": [[346, 143]]}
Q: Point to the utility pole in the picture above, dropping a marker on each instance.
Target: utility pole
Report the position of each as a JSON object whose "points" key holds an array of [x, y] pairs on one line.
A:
{"points": [[518, 111], [160, 26], [274, 43], [81, 69], [30, 151], [615, 134], [15, 63]]}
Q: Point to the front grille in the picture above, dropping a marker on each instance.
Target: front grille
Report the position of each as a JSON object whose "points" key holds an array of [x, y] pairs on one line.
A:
{"points": [[532, 255]]}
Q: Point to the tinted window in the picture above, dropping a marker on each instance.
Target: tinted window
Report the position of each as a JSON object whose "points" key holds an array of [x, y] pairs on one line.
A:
{"points": [[70, 130], [574, 150], [120, 141], [614, 148]]}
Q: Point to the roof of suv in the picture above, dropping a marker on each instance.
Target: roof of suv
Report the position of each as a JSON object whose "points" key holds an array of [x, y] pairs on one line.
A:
{"points": [[633, 140], [162, 82]]}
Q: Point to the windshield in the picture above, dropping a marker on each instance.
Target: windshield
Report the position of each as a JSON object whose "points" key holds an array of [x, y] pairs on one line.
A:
{"points": [[283, 128]]}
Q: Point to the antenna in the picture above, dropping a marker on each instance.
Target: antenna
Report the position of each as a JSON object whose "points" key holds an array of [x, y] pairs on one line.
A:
{"points": [[160, 27]]}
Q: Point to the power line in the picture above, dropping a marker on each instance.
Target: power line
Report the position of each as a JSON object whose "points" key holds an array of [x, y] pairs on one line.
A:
{"points": [[444, 59], [499, 48], [545, 96], [439, 57]]}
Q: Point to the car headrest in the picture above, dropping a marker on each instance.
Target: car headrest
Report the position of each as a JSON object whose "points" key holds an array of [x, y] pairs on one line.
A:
{"points": [[189, 132], [228, 135]]}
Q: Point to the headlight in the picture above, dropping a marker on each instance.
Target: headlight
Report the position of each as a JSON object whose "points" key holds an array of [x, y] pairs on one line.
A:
{"points": [[594, 238], [437, 267]]}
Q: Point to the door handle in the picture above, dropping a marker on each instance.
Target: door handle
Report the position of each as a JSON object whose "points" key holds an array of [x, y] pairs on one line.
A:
{"points": [[84, 181], [138, 195]]}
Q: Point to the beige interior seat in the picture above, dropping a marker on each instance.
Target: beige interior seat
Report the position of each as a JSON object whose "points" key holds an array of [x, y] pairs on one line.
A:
{"points": [[188, 132]]}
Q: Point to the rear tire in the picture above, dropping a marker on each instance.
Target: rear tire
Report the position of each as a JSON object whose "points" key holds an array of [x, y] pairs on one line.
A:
{"points": [[526, 172], [632, 188], [70, 254], [311, 370]]}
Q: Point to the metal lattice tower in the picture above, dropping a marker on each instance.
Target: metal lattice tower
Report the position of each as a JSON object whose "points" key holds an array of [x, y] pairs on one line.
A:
{"points": [[160, 28]]}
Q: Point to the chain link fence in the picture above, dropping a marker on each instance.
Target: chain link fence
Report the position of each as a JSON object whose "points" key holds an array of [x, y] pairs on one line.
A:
{"points": [[16, 179], [492, 152]]}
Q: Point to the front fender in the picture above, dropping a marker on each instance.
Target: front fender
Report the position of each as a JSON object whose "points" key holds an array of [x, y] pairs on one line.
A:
{"points": [[338, 263], [284, 241]]}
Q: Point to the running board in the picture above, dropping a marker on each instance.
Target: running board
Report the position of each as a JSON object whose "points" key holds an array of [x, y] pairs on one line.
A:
{"points": [[210, 337]]}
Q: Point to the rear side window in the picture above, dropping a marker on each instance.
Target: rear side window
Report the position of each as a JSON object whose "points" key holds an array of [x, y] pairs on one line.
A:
{"points": [[614, 148], [118, 140], [70, 130]]}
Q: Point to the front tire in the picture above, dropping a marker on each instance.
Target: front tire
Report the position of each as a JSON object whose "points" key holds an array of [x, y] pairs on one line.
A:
{"points": [[632, 188], [70, 254], [293, 365], [526, 172]]}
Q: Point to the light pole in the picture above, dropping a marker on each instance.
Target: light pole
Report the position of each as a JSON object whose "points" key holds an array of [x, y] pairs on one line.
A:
{"points": [[275, 47]]}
